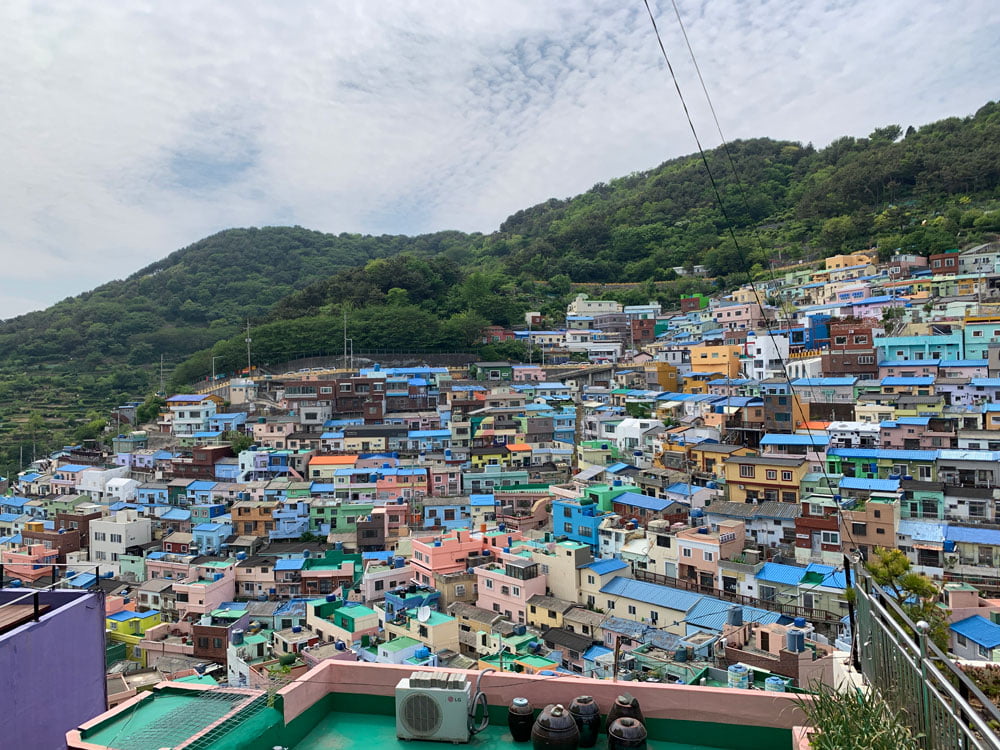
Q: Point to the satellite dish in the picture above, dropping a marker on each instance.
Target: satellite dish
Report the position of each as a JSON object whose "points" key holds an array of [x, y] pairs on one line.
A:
{"points": [[423, 613]]}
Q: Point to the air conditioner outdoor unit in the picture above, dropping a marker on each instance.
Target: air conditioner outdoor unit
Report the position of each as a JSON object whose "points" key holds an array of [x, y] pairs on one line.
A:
{"points": [[433, 706]]}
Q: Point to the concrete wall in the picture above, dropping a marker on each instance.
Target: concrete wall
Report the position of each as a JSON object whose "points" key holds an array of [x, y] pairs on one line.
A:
{"points": [[52, 671]]}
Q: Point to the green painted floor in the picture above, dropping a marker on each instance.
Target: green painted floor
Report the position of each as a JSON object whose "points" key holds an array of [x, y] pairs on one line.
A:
{"points": [[341, 731]]}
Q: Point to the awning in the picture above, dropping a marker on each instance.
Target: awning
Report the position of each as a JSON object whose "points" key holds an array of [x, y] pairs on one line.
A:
{"points": [[929, 547]]}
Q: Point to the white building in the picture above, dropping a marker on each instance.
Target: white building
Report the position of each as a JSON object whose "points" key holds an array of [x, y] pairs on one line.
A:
{"points": [[121, 490], [190, 413], [766, 354], [853, 434], [94, 482], [111, 536], [583, 305]]}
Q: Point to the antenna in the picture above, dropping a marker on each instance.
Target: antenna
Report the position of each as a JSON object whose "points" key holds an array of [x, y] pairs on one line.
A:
{"points": [[423, 613]]}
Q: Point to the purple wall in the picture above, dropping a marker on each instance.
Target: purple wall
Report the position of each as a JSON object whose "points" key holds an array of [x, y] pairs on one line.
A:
{"points": [[52, 671]]}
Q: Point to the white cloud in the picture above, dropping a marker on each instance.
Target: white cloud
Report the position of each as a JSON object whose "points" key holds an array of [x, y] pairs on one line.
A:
{"points": [[131, 129]]}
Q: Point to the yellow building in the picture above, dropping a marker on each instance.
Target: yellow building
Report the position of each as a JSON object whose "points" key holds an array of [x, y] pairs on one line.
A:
{"points": [[750, 478], [435, 630], [847, 260], [666, 374], [724, 359], [546, 612], [129, 628]]}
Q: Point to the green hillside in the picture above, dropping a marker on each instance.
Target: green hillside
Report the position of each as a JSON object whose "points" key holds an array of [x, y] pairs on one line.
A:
{"points": [[925, 189]]}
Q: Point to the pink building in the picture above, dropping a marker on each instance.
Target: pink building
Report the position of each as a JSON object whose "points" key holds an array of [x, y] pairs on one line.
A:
{"points": [[528, 374], [208, 585], [274, 434], [736, 317], [505, 587], [917, 433], [405, 482], [65, 478], [30, 562], [444, 481], [171, 567], [700, 549], [873, 307], [456, 552], [255, 577], [380, 576]]}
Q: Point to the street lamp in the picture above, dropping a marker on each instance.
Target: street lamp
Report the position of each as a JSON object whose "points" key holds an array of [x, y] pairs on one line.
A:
{"points": [[213, 367]]}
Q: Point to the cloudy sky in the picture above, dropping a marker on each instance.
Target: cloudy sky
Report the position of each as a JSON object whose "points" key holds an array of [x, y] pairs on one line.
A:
{"points": [[129, 129]]}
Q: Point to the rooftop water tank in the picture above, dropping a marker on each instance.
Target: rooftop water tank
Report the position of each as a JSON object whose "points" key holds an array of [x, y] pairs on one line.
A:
{"points": [[799, 622]]}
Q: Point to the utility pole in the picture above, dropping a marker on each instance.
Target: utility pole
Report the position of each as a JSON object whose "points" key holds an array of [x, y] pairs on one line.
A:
{"points": [[248, 347], [577, 426], [162, 392], [213, 368]]}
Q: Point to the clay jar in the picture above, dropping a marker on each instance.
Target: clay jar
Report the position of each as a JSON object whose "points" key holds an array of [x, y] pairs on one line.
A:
{"points": [[520, 719], [626, 733], [587, 715], [555, 729], [625, 705]]}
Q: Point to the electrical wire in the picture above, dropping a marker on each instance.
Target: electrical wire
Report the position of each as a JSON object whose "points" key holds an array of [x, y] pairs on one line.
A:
{"points": [[730, 226]]}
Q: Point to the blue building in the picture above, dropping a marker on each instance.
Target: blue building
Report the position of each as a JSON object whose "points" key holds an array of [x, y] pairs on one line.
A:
{"points": [[291, 519], [578, 520], [209, 537], [449, 513]]}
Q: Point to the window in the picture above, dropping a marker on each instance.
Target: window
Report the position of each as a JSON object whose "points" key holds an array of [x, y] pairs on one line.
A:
{"points": [[489, 583], [815, 509], [772, 474], [611, 604], [786, 476], [746, 471], [568, 528], [859, 529], [590, 580], [984, 652], [631, 609], [708, 556], [686, 552], [459, 589], [116, 538], [788, 497], [830, 537]]}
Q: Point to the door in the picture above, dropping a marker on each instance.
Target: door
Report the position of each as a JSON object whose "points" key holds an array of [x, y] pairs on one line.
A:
{"points": [[816, 543]]}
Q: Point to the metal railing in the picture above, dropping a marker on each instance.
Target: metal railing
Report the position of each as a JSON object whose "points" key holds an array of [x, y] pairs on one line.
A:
{"points": [[939, 703]]}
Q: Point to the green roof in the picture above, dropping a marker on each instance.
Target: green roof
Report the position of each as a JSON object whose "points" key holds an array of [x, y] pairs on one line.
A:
{"points": [[537, 661], [398, 644], [435, 618], [355, 611]]}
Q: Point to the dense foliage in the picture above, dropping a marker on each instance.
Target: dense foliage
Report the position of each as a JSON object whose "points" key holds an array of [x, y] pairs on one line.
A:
{"points": [[924, 190]]}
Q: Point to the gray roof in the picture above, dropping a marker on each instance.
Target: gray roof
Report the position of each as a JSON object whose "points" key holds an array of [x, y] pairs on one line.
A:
{"points": [[767, 509], [551, 602]]}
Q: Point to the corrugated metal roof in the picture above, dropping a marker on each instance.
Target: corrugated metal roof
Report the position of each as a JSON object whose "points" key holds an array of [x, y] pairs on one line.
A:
{"points": [[603, 567], [788, 575], [972, 535], [979, 630], [651, 593]]}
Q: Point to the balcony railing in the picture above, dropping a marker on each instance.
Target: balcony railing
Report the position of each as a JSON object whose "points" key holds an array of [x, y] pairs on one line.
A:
{"points": [[935, 698]]}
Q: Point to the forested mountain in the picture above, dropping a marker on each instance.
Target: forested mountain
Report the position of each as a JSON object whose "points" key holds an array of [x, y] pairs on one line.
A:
{"points": [[922, 190]]}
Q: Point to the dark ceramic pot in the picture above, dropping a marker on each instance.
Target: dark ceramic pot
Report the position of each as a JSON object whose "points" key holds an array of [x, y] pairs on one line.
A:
{"points": [[555, 729], [520, 719], [587, 715], [626, 733], [625, 705]]}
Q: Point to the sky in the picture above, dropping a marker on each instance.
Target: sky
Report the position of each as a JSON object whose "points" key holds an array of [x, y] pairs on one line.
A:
{"points": [[130, 129]]}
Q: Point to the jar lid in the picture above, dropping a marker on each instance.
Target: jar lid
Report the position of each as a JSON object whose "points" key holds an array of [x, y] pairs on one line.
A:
{"points": [[520, 702]]}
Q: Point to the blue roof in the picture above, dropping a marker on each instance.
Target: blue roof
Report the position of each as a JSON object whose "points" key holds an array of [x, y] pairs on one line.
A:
{"points": [[921, 531], [481, 499], [641, 501], [778, 439], [832, 578], [294, 563], [201, 485], [651, 593], [593, 652], [683, 488], [814, 382], [603, 567], [127, 615], [209, 527], [378, 555], [428, 433], [876, 453], [615, 468], [176, 514], [9, 517], [81, 580], [789, 575], [322, 487], [922, 380], [710, 614], [31, 476], [964, 363], [72, 467], [979, 630], [874, 485], [988, 382], [972, 535]]}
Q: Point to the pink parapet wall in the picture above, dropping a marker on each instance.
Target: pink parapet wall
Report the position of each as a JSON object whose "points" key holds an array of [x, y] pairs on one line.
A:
{"points": [[690, 703]]}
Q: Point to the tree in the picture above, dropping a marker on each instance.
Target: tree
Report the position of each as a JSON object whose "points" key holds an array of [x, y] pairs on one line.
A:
{"points": [[239, 441], [560, 284], [916, 594]]}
